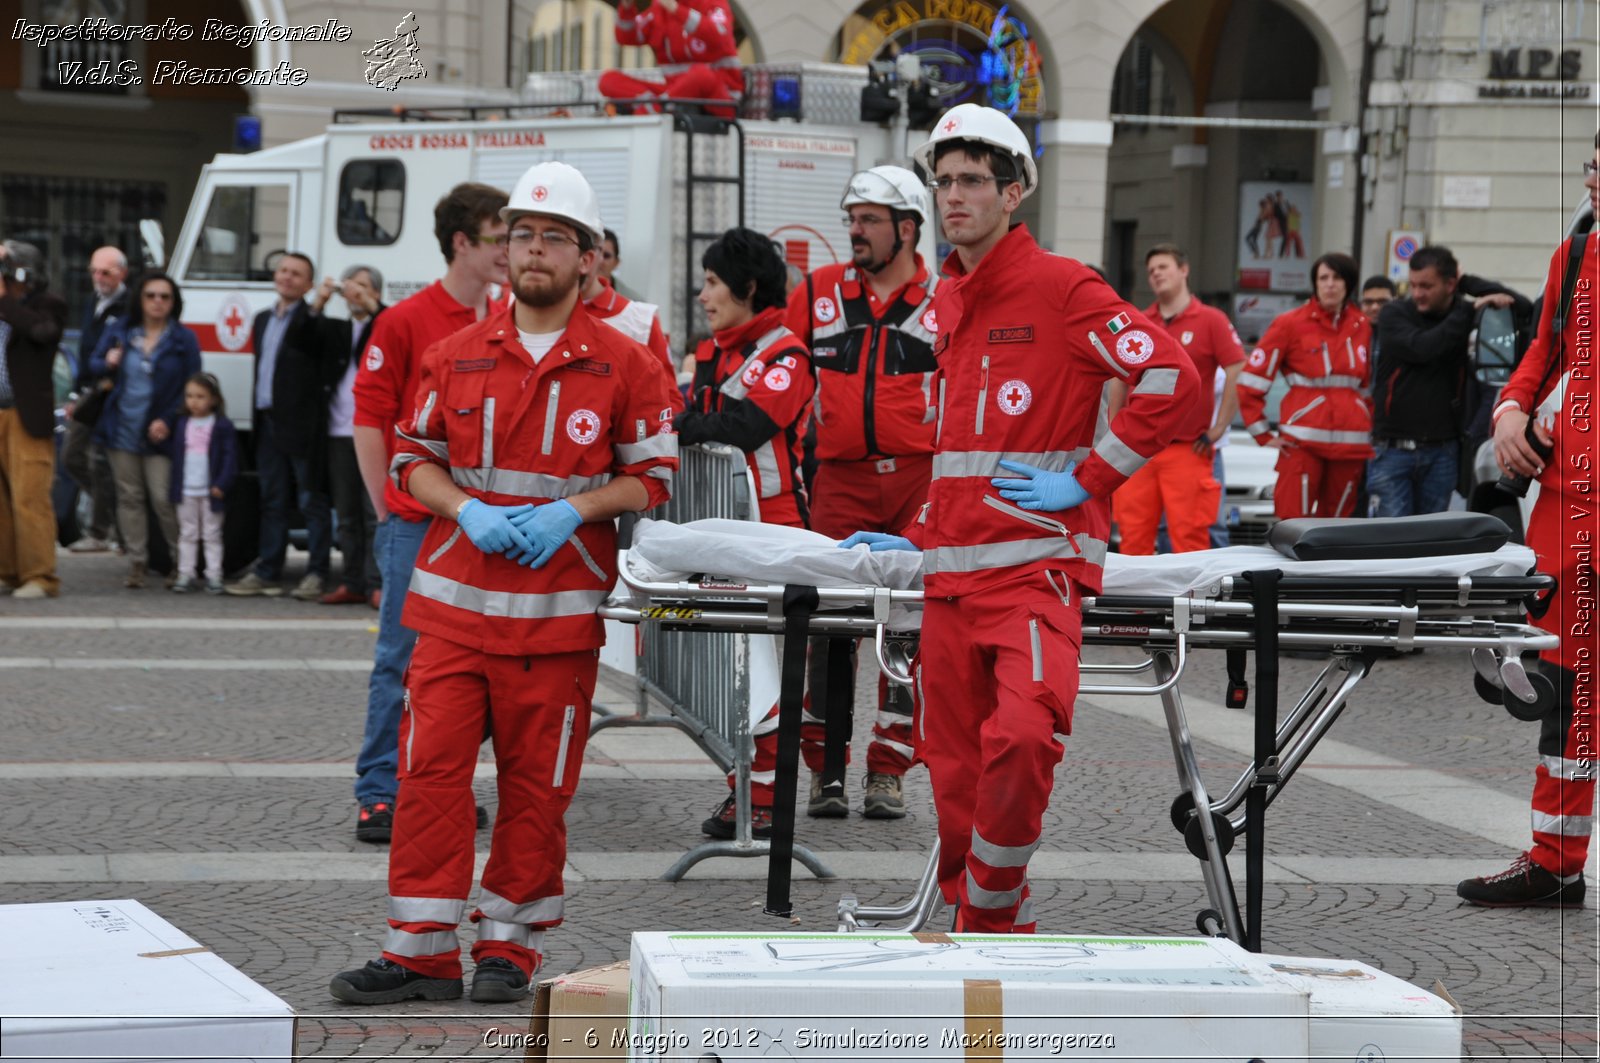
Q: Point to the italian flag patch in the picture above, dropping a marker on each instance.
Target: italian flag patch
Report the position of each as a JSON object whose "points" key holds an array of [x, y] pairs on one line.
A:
{"points": [[1118, 323]]}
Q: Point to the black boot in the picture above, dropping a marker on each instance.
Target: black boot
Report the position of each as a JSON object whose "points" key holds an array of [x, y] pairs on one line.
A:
{"points": [[386, 982]]}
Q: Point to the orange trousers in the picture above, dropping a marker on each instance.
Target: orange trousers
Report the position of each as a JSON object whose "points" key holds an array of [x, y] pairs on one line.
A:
{"points": [[1176, 481]]}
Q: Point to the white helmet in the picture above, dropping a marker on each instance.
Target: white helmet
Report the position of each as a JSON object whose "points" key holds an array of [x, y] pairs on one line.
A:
{"points": [[894, 187], [556, 190], [968, 121]]}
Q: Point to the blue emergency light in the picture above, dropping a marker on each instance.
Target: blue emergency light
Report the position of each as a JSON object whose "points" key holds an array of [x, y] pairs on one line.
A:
{"points": [[246, 133], [786, 98]]}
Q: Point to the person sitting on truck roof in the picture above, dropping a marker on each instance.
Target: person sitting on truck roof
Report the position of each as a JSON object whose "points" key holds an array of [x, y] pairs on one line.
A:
{"points": [[694, 49]]}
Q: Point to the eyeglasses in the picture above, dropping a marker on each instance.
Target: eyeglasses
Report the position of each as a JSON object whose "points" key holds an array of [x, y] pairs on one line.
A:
{"points": [[1589, 170], [555, 241], [491, 241], [866, 221], [969, 182]]}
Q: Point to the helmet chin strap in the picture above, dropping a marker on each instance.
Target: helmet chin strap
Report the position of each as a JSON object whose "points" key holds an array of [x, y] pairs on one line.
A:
{"points": [[894, 252]]}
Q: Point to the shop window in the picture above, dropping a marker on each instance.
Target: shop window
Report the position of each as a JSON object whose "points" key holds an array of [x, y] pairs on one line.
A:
{"points": [[372, 194]]}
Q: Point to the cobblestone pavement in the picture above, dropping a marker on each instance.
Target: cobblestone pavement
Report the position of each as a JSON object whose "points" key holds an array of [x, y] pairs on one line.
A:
{"points": [[193, 753]]}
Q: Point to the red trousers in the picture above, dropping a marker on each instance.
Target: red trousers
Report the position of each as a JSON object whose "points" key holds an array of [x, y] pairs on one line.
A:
{"points": [[1176, 481], [538, 708], [699, 82], [1564, 781], [1313, 486], [996, 679]]}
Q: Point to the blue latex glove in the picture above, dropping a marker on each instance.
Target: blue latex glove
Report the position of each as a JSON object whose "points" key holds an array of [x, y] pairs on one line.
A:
{"points": [[877, 541], [1039, 489], [545, 527], [490, 527]]}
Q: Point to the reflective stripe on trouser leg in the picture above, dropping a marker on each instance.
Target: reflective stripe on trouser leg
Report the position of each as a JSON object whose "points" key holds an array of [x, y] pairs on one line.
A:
{"points": [[431, 849], [891, 750], [538, 747], [764, 765], [1564, 782]]}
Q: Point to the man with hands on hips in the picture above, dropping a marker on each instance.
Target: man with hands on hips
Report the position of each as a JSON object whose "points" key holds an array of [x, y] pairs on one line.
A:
{"points": [[533, 429], [1015, 528]]}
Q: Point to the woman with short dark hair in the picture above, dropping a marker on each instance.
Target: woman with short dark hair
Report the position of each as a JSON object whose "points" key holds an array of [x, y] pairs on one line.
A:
{"points": [[151, 354], [1324, 431]]}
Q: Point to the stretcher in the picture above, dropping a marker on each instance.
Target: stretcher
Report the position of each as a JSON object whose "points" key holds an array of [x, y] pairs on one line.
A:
{"points": [[1353, 590]]}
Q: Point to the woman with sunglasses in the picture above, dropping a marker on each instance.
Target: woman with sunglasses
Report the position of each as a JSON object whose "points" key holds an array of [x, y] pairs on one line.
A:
{"points": [[150, 354]]}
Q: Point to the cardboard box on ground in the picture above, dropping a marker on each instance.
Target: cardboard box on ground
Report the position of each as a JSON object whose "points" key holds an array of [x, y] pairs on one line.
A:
{"points": [[112, 979], [583, 1015], [869, 996]]}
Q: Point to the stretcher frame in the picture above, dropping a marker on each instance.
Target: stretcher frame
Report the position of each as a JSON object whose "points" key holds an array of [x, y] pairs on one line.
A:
{"points": [[1256, 611]]}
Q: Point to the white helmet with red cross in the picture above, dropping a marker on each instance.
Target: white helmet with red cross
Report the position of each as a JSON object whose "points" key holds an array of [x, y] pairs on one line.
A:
{"points": [[968, 121], [894, 187], [556, 190]]}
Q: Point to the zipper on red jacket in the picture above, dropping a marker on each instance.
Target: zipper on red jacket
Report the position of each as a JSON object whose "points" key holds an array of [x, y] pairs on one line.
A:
{"points": [[983, 394], [869, 427]]}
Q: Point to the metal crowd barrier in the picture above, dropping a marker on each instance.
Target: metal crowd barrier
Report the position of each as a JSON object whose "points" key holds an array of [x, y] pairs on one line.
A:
{"points": [[703, 678]]}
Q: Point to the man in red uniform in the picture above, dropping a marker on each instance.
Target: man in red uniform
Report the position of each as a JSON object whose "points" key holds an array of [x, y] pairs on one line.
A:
{"points": [[870, 326], [752, 390], [1015, 528], [637, 320], [1324, 435], [533, 429], [1553, 387], [1179, 480], [471, 236], [694, 48]]}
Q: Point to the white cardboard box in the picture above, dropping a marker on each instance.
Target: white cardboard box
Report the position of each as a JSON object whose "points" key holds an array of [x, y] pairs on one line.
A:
{"points": [[1360, 1013], [872, 996], [113, 979]]}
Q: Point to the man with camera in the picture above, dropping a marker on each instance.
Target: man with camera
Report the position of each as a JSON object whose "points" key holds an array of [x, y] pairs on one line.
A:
{"points": [[31, 323]]}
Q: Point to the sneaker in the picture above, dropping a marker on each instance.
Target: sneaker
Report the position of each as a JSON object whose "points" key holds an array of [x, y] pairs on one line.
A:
{"points": [[89, 545], [375, 822], [498, 981], [721, 823], [135, 577], [309, 589], [184, 585], [827, 799], [214, 586], [34, 588], [386, 982], [342, 595], [883, 800], [1523, 885], [251, 585]]}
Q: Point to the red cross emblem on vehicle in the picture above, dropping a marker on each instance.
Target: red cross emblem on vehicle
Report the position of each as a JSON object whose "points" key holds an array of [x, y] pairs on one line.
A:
{"points": [[540, 193], [232, 322], [234, 319]]}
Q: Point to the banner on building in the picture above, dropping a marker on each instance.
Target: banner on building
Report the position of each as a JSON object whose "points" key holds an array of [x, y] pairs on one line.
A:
{"points": [[1273, 218]]}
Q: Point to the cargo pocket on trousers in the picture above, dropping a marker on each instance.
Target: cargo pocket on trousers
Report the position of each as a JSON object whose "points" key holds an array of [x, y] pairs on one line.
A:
{"points": [[571, 740], [1053, 639]]}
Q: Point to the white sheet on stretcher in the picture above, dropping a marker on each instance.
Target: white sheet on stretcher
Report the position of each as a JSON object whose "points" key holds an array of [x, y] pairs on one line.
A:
{"points": [[765, 553]]}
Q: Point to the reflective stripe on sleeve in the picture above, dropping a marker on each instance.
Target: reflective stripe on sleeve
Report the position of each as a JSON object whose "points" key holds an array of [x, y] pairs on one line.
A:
{"points": [[1259, 428], [1118, 454], [1297, 380], [508, 604], [527, 484], [1251, 380], [1325, 435], [769, 483], [1157, 382], [662, 445]]}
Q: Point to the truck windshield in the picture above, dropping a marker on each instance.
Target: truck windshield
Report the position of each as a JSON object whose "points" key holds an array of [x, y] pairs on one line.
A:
{"points": [[244, 226]]}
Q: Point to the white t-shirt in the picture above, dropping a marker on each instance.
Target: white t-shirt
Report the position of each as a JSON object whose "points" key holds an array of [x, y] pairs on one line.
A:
{"points": [[538, 344]]}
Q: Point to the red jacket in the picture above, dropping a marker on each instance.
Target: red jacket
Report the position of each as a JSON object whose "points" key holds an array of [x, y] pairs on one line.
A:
{"points": [[1543, 394], [698, 31], [1026, 344], [509, 432], [391, 368], [752, 390], [873, 362], [1208, 338], [1328, 409], [639, 321]]}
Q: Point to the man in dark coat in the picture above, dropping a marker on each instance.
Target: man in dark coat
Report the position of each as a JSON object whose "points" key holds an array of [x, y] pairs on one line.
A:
{"points": [[85, 460]]}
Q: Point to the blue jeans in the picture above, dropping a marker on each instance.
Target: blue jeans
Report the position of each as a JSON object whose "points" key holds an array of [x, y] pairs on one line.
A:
{"points": [[278, 474], [396, 543], [1403, 483]]}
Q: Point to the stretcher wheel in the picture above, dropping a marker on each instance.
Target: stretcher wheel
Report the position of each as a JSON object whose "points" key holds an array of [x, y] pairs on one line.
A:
{"points": [[1194, 836], [1487, 690], [1182, 810], [1545, 699], [1209, 923]]}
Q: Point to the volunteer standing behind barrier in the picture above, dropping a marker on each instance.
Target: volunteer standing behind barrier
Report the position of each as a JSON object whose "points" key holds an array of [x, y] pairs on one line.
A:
{"points": [[752, 390], [1325, 421], [1015, 528], [1553, 388], [869, 323], [533, 430]]}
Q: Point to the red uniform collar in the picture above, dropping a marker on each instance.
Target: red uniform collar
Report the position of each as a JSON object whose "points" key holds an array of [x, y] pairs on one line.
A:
{"points": [[1012, 246], [1153, 312], [733, 339], [912, 291], [1320, 316]]}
